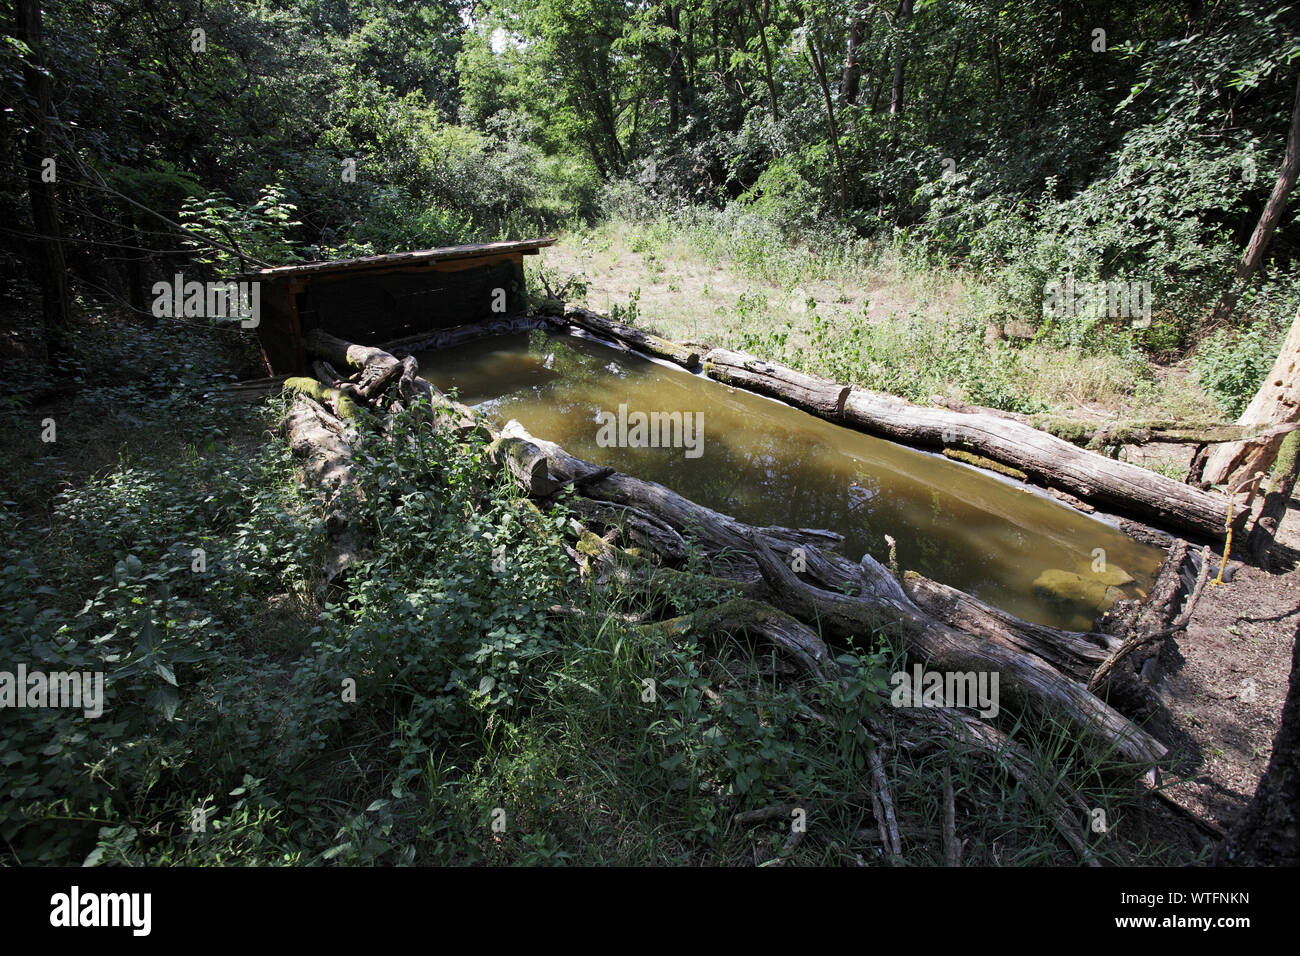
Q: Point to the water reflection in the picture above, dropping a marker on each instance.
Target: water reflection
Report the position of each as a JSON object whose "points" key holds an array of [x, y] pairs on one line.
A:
{"points": [[767, 463]]}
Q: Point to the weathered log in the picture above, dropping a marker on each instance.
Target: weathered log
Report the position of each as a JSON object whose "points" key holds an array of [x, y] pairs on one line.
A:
{"points": [[1077, 654], [1281, 485], [1028, 681], [375, 364], [642, 341], [325, 442], [758, 620], [641, 527], [1046, 459], [1025, 681], [526, 463], [716, 531], [808, 392], [1096, 435]]}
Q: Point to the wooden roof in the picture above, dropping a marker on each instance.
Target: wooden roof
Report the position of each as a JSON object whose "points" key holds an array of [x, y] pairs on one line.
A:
{"points": [[476, 250]]}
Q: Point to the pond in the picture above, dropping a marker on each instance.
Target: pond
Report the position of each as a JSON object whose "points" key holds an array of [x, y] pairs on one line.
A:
{"points": [[765, 462]]}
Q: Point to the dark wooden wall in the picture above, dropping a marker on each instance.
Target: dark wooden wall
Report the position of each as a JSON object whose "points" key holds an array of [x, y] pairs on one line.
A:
{"points": [[374, 307]]}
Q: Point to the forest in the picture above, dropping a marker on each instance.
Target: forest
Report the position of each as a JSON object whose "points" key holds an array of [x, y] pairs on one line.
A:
{"points": [[342, 615]]}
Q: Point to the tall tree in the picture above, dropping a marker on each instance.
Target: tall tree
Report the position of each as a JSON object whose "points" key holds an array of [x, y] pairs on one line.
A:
{"points": [[1252, 258], [900, 58], [41, 169]]}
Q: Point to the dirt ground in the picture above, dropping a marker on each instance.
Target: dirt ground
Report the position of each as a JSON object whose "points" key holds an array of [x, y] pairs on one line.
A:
{"points": [[1222, 682]]}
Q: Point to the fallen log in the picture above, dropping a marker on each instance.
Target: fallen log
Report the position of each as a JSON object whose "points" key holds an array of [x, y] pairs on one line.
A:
{"points": [[1096, 435], [325, 443], [1029, 682], [1046, 459], [642, 341], [377, 367], [526, 463], [716, 531], [758, 620], [767, 378], [1025, 681], [1076, 654]]}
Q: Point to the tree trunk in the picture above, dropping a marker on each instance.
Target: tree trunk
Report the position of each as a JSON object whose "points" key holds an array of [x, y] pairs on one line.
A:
{"points": [[1268, 831], [1268, 220], [851, 78], [767, 59], [51, 270], [818, 63], [1276, 402], [1285, 471], [900, 60]]}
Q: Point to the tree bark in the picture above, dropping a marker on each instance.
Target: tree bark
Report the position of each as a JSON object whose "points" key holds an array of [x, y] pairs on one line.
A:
{"points": [[1276, 402], [1268, 220], [900, 59], [51, 270], [851, 77], [1281, 486]]}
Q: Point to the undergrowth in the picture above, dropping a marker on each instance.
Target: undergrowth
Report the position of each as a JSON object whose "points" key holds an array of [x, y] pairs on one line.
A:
{"points": [[465, 698]]}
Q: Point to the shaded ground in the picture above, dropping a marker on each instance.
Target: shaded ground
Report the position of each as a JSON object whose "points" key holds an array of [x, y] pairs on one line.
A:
{"points": [[1223, 683]]}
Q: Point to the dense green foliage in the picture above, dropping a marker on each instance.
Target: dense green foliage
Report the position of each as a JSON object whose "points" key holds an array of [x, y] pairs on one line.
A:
{"points": [[1005, 141]]}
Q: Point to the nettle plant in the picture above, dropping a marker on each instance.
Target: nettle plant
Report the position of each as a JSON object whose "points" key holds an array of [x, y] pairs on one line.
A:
{"points": [[261, 230]]}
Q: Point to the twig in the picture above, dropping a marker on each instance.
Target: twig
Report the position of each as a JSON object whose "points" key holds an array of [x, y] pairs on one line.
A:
{"points": [[889, 823], [951, 848]]}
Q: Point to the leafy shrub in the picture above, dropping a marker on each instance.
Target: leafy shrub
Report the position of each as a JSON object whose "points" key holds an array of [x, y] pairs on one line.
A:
{"points": [[1231, 364]]}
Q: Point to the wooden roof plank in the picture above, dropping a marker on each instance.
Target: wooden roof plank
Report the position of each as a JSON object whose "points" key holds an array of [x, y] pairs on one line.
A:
{"points": [[389, 260]]}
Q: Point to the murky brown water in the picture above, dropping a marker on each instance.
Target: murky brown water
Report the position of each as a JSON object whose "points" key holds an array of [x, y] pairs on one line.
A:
{"points": [[767, 463]]}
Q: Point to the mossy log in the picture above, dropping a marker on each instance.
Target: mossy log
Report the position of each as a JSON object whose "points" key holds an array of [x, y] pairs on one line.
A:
{"points": [[324, 442], [808, 392], [641, 341], [1095, 435], [1028, 682], [335, 399]]}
